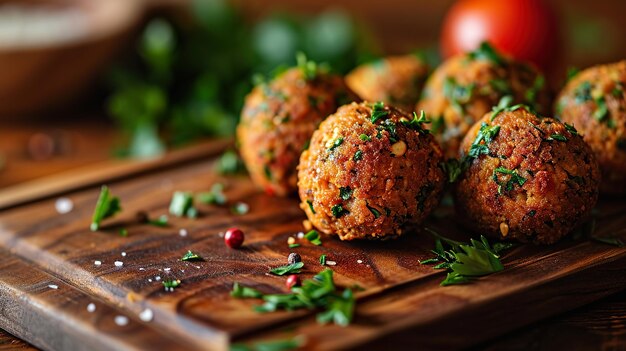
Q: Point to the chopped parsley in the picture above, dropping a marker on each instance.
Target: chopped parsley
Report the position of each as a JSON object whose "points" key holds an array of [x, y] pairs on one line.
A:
{"points": [[267, 172], [309, 69], [190, 256], [500, 86], [609, 240], [570, 128], [310, 203], [378, 111], [240, 208], [464, 261], [457, 94], [374, 211], [273, 345], [293, 246], [358, 155], [106, 206], [313, 237], [557, 137], [230, 163], [240, 291], [338, 211], [438, 126], [602, 112], [390, 127], [319, 292], [505, 105], [582, 93], [416, 123], [486, 52], [453, 169], [572, 72], [485, 135], [345, 193], [515, 178], [365, 137], [159, 222], [288, 269], [531, 93], [323, 259], [215, 196], [171, 284], [336, 144], [123, 232], [182, 205]]}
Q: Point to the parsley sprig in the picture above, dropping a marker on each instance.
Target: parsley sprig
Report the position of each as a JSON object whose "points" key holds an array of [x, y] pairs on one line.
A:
{"points": [[273, 345], [288, 269], [319, 292], [378, 111], [313, 237], [190, 256], [514, 178], [486, 52], [464, 261], [106, 206], [182, 205], [416, 123], [215, 196]]}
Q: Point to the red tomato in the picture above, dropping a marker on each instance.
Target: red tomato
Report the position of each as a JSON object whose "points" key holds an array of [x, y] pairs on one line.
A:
{"points": [[524, 29]]}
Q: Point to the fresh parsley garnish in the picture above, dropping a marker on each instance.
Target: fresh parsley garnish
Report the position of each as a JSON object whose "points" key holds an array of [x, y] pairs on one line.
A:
{"points": [[570, 128], [602, 112], [505, 105], [338, 211], [515, 178], [106, 206], [290, 268], [582, 93], [171, 284], [182, 205], [190, 256], [308, 68], [358, 155], [123, 232], [532, 92], [457, 94], [486, 52], [374, 211], [485, 135], [230, 163], [416, 123], [557, 137], [345, 193], [215, 196], [378, 112], [453, 169], [319, 292], [310, 203], [240, 208], [464, 261], [240, 291], [313, 237], [323, 259], [336, 144], [365, 137], [293, 246]]}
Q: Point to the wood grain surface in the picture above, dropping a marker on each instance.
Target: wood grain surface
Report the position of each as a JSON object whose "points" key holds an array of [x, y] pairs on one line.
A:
{"points": [[401, 297]]}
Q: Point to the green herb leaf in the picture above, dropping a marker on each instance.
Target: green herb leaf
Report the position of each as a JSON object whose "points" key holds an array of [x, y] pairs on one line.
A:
{"points": [[123, 232], [182, 205], [358, 155], [457, 94], [240, 291], [378, 111], [602, 112], [338, 211], [230, 163], [274, 345], [557, 137], [323, 259], [365, 137], [340, 309], [310, 203], [240, 208], [106, 206], [515, 178], [336, 144], [308, 68], [486, 52], [313, 237], [570, 128], [485, 135], [416, 123], [214, 197], [190, 256], [345, 193], [288, 269], [582, 93], [293, 246], [159, 222], [454, 169], [374, 211], [171, 284]]}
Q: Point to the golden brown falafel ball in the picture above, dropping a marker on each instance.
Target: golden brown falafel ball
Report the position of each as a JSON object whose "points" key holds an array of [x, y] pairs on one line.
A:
{"points": [[594, 101], [370, 172], [278, 120], [526, 178], [395, 80], [465, 87]]}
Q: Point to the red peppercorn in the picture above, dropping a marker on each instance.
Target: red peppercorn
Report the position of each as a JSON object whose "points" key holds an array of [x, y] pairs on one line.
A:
{"points": [[234, 238], [292, 281]]}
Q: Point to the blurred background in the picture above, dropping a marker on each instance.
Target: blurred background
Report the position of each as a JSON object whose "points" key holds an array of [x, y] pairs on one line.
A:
{"points": [[82, 81]]}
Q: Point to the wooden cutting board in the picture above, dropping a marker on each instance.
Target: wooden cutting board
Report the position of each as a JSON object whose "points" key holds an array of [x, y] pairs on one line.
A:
{"points": [[48, 276]]}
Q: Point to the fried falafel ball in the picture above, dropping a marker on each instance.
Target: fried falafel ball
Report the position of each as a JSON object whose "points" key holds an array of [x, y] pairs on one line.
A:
{"points": [[594, 101], [395, 80], [278, 120], [525, 178], [371, 172], [465, 87]]}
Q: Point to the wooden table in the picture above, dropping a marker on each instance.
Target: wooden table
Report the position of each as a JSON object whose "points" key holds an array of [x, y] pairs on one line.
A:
{"points": [[601, 325]]}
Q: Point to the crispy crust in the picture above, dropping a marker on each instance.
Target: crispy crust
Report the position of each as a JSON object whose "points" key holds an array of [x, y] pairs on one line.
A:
{"points": [[560, 187], [518, 77], [395, 80], [388, 192], [606, 135], [278, 120]]}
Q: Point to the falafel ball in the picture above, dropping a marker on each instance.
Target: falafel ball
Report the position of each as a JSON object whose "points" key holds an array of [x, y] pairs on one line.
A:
{"points": [[278, 120], [395, 80], [594, 101], [465, 87], [371, 172], [526, 178]]}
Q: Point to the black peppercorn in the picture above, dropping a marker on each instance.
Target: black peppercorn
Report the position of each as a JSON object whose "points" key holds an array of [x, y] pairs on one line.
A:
{"points": [[294, 258]]}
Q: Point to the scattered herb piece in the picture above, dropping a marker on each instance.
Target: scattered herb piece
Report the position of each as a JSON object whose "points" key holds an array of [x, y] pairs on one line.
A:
{"points": [[531, 93], [310, 203], [570, 128], [336, 144], [293, 246], [374, 211], [514, 179], [274, 345], [486, 52], [215, 196], [500, 86], [416, 123], [365, 137], [190, 256], [378, 111], [123, 232], [308, 68], [609, 240], [338, 211], [340, 310], [557, 137], [267, 172], [240, 208], [464, 261], [582, 93], [485, 135], [230, 163], [457, 94], [602, 112], [345, 193], [323, 259], [453, 169], [438, 126], [159, 222], [572, 72], [182, 205], [358, 155], [240, 291], [390, 127], [171, 284], [288, 269], [313, 237], [106, 206]]}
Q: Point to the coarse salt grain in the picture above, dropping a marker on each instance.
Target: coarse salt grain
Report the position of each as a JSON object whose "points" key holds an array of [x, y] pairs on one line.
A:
{"points": [[53, 286], [121, 320], [183, 232], [91, 308], [157, 278], [300, 235], [97, 263], [146, 315], [167, 269], [149, 280], [359, 261], [331, 263], [123, 254], [142, 269], [119, 263], [63, 205]]}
